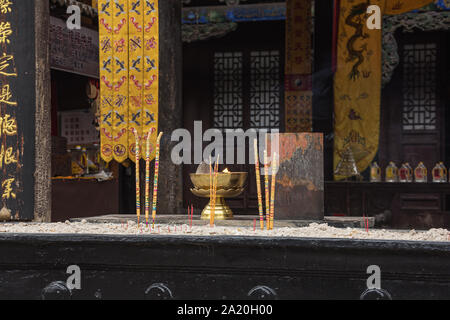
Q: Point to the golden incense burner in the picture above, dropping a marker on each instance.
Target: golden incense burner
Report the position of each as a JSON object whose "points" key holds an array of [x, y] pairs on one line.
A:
{"points": [[229, 185]]}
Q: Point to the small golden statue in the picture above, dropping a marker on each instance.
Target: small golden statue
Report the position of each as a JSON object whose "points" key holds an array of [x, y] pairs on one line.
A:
{"points": [[347, 166]]}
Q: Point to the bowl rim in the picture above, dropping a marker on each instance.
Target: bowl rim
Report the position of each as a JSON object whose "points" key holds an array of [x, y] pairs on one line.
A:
{"points": [[231, 173]]}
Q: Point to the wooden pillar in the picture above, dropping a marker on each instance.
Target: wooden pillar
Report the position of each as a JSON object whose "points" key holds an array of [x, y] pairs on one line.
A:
{"points": [[170, 194], [42, 174]]}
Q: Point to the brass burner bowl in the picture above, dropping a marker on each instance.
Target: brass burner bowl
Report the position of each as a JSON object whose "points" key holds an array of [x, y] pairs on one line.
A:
{"points": [[229, 185]]}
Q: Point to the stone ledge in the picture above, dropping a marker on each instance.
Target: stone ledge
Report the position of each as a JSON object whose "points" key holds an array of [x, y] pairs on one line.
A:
{"points": [[238, 221]]}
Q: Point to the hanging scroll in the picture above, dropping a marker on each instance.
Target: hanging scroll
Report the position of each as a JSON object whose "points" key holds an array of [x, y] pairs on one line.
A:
{"points": [[298, 79], [129, 72], [357, 83]]}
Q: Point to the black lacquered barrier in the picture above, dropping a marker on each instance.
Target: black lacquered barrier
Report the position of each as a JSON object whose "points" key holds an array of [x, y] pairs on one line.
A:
{"points": [[234, 268]]}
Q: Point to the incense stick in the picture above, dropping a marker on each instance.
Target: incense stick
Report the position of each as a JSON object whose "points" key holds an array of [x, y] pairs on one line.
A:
{"points": [[189, 214], [138, 187], [272, 195], [210, 191], [216, 172], [192, 214], [147, 177], [155, 182], [266, 187], [258, 186]]}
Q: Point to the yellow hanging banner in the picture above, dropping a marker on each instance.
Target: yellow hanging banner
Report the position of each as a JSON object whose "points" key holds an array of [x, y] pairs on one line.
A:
{"points": [[151, 73], [357, 83], [107, 70], [136, 74], [129, 71]]}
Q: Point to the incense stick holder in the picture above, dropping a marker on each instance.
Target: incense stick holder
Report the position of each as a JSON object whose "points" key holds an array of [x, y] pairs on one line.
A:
{"points": [[229, 185]]}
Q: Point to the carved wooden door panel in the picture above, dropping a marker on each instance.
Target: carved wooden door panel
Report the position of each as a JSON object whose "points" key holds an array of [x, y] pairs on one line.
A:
{"points": [[414, 103]]}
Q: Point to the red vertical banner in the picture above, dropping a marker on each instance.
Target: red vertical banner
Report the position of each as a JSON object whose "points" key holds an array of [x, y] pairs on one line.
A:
{"points": [[298, 73]]}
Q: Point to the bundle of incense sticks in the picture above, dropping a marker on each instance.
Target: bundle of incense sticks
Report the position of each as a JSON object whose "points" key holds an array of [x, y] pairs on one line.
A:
{"points": [[258, 186], [214, 192], [366, 223], [266, 187], [272, 193], [138, 187], [155, 180]]}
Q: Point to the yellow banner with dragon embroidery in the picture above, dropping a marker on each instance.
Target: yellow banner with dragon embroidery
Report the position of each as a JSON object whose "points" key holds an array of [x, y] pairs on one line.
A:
{"points": [[129, 76], [357, 83]]}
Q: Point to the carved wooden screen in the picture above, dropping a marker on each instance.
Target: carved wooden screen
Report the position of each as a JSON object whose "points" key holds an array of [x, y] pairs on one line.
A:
{"points": [[247, 90], [228, 95], [419, 87], [265, 89]]}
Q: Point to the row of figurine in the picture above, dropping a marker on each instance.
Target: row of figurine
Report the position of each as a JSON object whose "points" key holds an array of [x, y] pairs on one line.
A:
{"points": [[407, 174]]}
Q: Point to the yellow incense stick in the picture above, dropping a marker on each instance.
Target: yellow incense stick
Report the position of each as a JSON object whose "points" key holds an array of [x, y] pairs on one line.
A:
{"points": [[155, 181], [147, 177], [138, 187], [258, 186], [266, 187], [272, 195]]}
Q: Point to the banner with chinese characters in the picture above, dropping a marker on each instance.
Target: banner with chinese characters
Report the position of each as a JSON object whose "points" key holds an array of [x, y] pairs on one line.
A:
{"points": [[17, 107], [298, 73], [129, 71], [357, 83]]}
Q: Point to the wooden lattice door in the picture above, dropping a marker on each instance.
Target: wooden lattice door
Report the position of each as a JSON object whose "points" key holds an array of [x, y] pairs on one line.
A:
{"points": [[414, 104]]}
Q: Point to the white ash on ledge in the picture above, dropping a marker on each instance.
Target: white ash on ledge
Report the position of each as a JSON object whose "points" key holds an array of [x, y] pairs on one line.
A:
{"points": [[314, 230]]}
